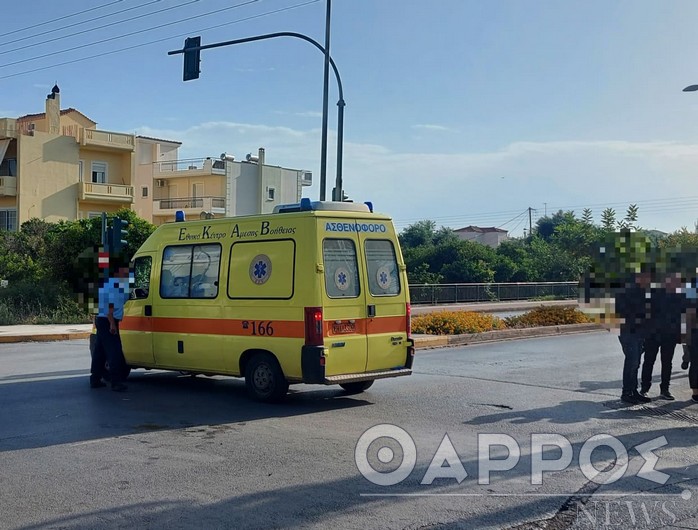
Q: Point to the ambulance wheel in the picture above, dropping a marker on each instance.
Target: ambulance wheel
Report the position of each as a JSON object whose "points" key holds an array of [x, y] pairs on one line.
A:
{"points": [[357, 388], [264, 378]]}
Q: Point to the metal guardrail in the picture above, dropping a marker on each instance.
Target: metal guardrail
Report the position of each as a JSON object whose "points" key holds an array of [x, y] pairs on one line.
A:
{"points": [[453, 293]]}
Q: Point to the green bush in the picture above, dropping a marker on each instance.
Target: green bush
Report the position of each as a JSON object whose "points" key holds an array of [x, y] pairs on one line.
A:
{"points": [[548, 316], [459, 322], [42, 302], [455, 323]]}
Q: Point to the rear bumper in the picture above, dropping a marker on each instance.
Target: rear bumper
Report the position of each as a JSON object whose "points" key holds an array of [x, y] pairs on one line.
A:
{"points": [[365, 376]]}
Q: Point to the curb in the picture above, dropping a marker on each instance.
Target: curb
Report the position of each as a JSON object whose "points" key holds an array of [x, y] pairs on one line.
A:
{"points": [[423, 342], [436, 341], [44, 337]]}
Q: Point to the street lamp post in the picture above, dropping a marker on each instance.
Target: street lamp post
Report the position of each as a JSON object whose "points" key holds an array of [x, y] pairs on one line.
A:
{"points": [[338, 192]]}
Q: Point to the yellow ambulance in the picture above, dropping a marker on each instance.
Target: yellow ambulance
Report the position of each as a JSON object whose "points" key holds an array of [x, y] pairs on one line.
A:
{"points": [[315, 292]]}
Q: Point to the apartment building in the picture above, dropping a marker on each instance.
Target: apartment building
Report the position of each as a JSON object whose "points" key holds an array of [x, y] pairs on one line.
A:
{"points": [[57, 165], [211, 187]]}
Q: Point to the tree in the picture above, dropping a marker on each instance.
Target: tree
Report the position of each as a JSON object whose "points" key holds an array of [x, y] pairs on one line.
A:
{"points": [[608, 220], [587, 217], [545, 226], [418, 234], [630, 219]]}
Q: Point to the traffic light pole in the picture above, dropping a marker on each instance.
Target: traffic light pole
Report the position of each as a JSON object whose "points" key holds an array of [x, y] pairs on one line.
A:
{"points": [[191, 71]]}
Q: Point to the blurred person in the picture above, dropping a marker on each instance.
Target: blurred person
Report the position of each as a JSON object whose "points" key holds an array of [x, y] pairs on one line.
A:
{"points": [[633, 308], [112, 297], [667, 305]]}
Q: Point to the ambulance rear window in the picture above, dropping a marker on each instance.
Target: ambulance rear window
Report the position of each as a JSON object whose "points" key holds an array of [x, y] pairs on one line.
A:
{"points": [[341, 269], [383, 277]]}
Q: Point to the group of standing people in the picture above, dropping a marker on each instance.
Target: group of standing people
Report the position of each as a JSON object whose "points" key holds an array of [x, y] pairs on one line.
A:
{"points": [[657, 312]]}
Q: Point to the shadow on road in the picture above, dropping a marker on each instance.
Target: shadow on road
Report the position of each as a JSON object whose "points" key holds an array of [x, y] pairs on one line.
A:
{"points": [[323, 503], [65, 410], [576, 411]]}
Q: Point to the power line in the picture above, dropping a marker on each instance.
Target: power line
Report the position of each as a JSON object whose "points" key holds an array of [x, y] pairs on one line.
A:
{"points": [[288, 8], [6, 33], [512, 219], [107, 26], [78, 24]]}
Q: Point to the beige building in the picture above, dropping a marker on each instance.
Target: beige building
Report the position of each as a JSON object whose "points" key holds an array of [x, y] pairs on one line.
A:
{"points": [[57, 165], [490, 236], [210, 187]]}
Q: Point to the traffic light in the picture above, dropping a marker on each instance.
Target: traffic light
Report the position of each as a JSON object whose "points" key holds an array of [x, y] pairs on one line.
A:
{"points": [[192, 58], [118, 234]]}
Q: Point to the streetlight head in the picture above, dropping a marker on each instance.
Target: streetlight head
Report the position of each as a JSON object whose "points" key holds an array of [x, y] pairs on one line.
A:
{"points": [[691, 88]]}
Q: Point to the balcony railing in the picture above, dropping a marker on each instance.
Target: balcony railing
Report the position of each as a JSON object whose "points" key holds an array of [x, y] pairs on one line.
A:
{"points": [[93, 191], [114, 140], [491, 292], [188, 167], [191, 205], [8, 186]]}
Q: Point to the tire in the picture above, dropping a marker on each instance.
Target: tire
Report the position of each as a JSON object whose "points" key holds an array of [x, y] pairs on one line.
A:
{"points": [[357, 388], [264, 378]]}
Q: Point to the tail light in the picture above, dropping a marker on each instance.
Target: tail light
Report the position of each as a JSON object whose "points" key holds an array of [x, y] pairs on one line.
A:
{"points": [[408, 316], [313, 326]]}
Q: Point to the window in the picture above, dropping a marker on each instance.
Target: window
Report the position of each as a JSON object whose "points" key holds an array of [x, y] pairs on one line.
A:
{"points": [[262, 270], [141, 275], [383, 277], [341, 269], [99, 172], [81, 170], [144, 191], [8, 167], [271, 193], [8, 220], [190, 271]]}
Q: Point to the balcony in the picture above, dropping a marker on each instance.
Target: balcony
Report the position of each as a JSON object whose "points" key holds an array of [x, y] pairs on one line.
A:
{"points": [[8, 186], [107, 139], [191, 206], [118, 193], [193, 167]]}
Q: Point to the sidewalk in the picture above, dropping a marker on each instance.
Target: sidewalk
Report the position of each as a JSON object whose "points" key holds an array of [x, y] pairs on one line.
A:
{"points": [[42, 333], [53, 332]]}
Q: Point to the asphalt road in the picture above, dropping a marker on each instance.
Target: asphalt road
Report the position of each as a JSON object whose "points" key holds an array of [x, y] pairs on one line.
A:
{"points": [[182, 452]]}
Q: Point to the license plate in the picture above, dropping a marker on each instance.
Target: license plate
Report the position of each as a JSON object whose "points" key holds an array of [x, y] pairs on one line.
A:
{"points": [[343, 327]]}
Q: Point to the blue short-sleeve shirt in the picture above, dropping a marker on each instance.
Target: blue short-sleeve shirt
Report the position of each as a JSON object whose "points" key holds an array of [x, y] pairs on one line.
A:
{"points": [[116, 292]]}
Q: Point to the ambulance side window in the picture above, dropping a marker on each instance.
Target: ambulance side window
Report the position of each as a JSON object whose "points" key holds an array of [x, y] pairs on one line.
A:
{"points": [[190, 271], [141, 276], [341, 269], [383, 277]]}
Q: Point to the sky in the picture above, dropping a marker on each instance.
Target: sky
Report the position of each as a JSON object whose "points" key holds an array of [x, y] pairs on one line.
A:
{"points": [[464, 112]]}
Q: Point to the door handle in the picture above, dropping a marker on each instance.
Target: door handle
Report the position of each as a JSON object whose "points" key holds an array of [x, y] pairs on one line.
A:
{"points": [[371, 310], [149, 310]]}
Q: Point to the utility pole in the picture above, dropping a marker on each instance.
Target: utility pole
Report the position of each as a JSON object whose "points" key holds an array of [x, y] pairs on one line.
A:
{"points": [[325, 97], [530, 220]]}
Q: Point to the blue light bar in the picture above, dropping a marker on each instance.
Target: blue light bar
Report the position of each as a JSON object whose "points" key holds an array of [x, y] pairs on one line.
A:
{"points": [[370, 205], [306, 204], [179, 216]]}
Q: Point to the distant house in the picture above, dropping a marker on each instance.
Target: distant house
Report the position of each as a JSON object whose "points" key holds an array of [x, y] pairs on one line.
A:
{"points": [[489, 236]]}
